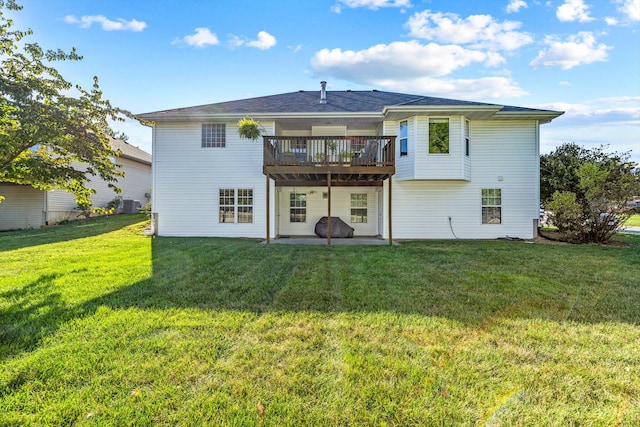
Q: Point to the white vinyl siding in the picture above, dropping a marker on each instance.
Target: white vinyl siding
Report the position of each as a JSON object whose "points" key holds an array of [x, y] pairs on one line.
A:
{"points": [[58, 205], [316, 207], [504, 156], [135, 185], [22, 207], [188, 177]]}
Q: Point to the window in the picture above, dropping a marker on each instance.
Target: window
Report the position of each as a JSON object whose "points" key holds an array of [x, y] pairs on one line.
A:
{"points": [[491, 206], [232, 202], [358, 207], [467, 147], [227, 205], [245, 205], [403, 138], [297, 207], [438, 136], [214, 135]]}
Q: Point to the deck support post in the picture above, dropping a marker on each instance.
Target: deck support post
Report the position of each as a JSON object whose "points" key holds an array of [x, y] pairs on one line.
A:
{"points": [[329, 207], [389, 215], [268, 210]]}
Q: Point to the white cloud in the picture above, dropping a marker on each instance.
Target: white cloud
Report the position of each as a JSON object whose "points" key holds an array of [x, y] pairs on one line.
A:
{"points": [[404, 59], [614, 121], [573, 10], [119, 24], [601, 110], [631, 8], [296, 48], [413, 67], [579, 49], [202, 37], [610, 20], [263, 42], [514, 6], [479, 31], [370, 4], [470, 89]]}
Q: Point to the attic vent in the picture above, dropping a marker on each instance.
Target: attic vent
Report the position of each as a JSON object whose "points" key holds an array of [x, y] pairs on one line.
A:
{"points": [[323, 92]]}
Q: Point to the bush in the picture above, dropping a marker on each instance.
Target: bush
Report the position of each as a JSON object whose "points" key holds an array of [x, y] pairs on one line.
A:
{"points": [[587, 191]]}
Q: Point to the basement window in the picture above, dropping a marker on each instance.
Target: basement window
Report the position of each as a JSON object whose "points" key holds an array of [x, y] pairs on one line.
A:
{"points": [[297, 207], [359, 207], [491, 206], [236, 206]]}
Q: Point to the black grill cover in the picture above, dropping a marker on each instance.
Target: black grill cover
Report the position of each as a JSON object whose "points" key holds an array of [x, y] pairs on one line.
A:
{"points": [[338, 227]]}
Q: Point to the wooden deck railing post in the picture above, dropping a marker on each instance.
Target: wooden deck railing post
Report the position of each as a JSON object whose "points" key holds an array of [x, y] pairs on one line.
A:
{"points": [[390, 210], [268, 210], [329, 207]]}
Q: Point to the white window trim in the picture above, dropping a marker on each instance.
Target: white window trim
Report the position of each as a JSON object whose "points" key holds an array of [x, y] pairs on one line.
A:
{"points": [[400, 138], [428, 123], [466, 130], [492, 206], [366, 208], [298, 207], [202, 142], [237, 206]]}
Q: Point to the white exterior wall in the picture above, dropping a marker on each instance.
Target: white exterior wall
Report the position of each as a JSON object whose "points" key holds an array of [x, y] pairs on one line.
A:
{"points": [[188, 177], [136, 182], [317, 208], [504, 155], [22, 207]]}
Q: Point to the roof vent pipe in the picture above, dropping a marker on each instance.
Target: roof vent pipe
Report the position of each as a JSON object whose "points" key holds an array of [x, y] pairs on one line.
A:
{"points": [[323, 92]]}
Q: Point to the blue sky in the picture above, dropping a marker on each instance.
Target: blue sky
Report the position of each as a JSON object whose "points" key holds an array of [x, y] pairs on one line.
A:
{"points": [[579, 56]]}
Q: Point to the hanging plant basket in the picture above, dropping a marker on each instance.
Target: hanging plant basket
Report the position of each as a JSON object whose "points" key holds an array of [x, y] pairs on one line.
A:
{"points": [[249, 129]]}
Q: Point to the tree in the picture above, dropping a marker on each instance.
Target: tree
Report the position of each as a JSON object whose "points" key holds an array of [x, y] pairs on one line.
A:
{"points": [[45, 131], [587, 191]]}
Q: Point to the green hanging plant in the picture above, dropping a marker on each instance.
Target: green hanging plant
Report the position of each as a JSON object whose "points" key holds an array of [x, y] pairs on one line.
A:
{"points": [[249, 129]]}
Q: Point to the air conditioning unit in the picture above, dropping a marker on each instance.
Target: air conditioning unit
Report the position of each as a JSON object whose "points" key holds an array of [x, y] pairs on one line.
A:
{"points": [[130, 206]]}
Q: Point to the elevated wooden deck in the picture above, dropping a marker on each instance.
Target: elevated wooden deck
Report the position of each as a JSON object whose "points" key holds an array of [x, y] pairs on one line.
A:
{"points": [[311, 160]]}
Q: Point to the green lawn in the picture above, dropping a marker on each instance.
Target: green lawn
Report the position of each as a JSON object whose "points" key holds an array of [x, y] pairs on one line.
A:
{"points": [[633, 221], [100, 325]]}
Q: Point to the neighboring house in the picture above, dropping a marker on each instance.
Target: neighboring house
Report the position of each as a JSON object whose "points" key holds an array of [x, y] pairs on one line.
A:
{"points": [[26, 207], [419, 167]]}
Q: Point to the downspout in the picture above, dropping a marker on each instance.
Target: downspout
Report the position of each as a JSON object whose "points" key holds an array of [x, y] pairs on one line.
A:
{"points": [[45, 212], [154, 213]]}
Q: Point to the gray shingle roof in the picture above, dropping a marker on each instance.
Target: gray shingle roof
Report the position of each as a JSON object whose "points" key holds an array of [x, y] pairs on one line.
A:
{"points": [[130, 152], [337, 102]]}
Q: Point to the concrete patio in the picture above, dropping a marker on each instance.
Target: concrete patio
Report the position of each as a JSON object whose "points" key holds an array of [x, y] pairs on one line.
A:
{"points": [[315, 240]]}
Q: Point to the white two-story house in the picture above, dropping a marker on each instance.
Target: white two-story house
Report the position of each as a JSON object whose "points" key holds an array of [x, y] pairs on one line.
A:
{"points": [[388, 164]]}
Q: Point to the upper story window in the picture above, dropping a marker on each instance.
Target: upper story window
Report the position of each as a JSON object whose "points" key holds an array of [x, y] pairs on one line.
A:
{"points": [[214, 135], [467, 132], [438, 136], [404, 138]]}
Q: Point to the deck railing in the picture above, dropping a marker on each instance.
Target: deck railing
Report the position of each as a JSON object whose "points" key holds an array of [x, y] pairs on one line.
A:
{"points": [[329, 151]]}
